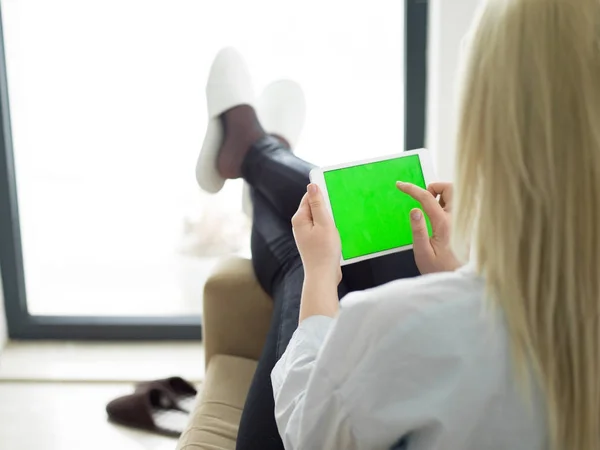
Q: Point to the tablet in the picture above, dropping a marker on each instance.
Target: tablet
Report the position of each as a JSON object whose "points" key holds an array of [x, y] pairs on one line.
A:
{"points": [[370, 213]]}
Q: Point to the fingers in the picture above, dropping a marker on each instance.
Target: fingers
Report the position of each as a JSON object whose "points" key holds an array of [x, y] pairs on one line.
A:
{"points": [[320, 215], [444, 190], [429, 203], [304, 215], [312, 208], [440, 188], [421, 243]]}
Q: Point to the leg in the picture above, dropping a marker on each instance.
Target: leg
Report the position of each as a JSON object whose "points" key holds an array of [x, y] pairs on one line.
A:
{"points": [[393, 267], [279, 175], [279, 270], [278, 181], [266, 163], [278, 267]]}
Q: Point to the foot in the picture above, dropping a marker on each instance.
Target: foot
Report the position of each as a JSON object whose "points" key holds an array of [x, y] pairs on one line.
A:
{"points": [[241, 129], [229, 85]]}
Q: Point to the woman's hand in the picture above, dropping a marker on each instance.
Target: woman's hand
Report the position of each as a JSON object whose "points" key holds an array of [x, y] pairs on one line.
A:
{"points": [[432, 254], [317, 238]]}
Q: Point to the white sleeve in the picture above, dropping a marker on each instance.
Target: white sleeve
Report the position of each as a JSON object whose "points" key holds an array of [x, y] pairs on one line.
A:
{"points": [[366, 379], [290, 379]]}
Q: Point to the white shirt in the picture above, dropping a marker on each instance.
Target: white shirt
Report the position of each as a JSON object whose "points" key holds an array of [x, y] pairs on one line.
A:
{"points": [[416, 364]]}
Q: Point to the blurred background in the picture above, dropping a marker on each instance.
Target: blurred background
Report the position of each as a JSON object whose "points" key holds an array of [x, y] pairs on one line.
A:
{"points": [[108, 113], [106, 240]]}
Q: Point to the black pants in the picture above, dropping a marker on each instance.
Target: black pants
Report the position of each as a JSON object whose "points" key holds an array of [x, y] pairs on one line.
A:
{"points": [[278, 180]]}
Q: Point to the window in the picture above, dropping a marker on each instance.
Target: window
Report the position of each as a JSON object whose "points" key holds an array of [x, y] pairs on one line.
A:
{"points": [[108, 114]]}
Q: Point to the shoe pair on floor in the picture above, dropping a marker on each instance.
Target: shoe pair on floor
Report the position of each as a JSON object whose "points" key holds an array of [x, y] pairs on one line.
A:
{"points": [[281, 110], [160, 406]]}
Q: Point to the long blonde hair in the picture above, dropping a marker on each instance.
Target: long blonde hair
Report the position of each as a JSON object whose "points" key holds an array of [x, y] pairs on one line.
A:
{"points": [[528, 195]]}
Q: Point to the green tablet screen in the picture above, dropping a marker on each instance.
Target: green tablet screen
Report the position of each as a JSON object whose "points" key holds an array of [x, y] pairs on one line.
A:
{"points": [[369, 211]]}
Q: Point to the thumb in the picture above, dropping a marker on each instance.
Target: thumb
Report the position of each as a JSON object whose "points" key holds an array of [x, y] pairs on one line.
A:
{"points": [[317, 205], [421, 243], [303, 216]]}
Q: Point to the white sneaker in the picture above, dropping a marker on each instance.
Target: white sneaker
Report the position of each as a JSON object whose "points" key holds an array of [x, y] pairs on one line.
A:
{"points": [[281, 110], [229, 85]]}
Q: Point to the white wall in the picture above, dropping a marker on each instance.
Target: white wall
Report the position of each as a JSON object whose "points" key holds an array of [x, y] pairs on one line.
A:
{"points": [[449, 21]]}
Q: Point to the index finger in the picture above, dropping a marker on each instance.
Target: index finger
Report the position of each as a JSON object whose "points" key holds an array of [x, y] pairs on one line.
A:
{"points": [[431, 207]]}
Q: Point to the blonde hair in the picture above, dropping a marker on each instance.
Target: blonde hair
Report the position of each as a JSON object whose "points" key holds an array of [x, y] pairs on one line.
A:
{"points": [[528, 195]]}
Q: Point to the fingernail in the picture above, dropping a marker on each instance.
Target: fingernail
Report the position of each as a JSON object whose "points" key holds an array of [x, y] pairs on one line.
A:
{"points": [[400, 183], [312, 189], [416, 215]]}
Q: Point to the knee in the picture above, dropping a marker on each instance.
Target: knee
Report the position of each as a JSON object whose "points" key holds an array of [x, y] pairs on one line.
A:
{"points": [[274, 262]]}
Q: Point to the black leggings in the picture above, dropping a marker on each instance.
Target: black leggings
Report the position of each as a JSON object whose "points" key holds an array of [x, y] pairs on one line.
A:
{"points": [[278, 181]]}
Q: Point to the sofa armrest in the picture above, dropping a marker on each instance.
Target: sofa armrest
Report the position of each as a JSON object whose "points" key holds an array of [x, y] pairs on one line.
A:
{"points": [[237, 312]]}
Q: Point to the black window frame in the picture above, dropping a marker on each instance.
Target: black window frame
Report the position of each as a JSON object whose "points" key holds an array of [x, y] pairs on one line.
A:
{"points": [[23, 325], [415, 71]]}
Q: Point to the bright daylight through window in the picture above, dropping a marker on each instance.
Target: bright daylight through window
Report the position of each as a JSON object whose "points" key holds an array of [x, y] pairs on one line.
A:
{"points": [[108, 115]]}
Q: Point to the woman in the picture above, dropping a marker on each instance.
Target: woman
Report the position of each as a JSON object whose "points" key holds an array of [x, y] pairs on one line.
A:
{"points": [[500, 354]]}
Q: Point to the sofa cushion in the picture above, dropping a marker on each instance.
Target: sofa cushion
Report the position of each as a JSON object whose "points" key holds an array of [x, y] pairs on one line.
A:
{"points": [[236, 311], [216, 417]]}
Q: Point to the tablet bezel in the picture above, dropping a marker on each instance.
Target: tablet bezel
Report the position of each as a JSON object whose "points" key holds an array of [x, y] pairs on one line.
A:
{"points": [[317, 176]]}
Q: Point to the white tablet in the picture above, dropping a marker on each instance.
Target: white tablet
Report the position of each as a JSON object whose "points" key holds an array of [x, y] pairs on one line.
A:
{"points": [[370, 213]]}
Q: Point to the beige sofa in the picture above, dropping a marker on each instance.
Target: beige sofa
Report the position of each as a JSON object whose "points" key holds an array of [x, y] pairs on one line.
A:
{"points": [[236, 319]]}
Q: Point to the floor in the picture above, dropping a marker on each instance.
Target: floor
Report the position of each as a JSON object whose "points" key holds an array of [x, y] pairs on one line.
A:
{"points": [[67, 416], [53, 394], [101, 361]]}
